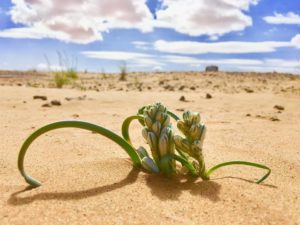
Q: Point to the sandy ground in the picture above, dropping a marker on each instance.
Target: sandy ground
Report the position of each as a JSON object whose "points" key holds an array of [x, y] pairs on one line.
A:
{"points": [[88, 179]]}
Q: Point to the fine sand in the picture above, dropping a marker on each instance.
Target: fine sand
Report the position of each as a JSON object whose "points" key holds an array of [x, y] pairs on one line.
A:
{"points": [[88, 179]]}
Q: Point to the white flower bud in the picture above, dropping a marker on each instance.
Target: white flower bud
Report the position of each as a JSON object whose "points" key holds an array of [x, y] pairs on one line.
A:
{"points": [[159, 116], [177, 140], [195, 131], [148, 121], [163, 145], [156, 127], [195, 118], [152, 140], [181, 126], [161, 108], [185, 145], [166, 121], [186, 115], [152, 112], [142, 152], [203, 133], [145, 133], [149, 165]]}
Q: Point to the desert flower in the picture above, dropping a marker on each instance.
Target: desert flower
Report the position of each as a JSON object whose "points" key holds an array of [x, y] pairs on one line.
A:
{"points": [[158, 133]]}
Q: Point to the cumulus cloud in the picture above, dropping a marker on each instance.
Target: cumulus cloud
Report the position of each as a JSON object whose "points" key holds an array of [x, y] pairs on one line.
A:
{"points": [[202, 17], [229, 47], [289, 18], [79, 21], [84, 21]]}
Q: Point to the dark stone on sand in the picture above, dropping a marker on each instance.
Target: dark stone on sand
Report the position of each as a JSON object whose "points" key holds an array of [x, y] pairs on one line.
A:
{"points": [[46, 105], [274, 118], [248, 90], [68, 98], [181, 87], [193, 88], [169, 87], [182, 98], [248, 114], [55, 102], [42, 97], [208, 96], [161, 82], [279, 107]]}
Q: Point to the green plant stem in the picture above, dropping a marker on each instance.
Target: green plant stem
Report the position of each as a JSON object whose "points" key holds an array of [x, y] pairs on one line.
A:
{"points": [[184, 162], [125, 126], [75, 124], [211, 170], [174, 116]]}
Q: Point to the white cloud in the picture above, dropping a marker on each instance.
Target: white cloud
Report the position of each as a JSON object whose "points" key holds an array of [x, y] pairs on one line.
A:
{"points": [[158, 62], [132, 58], [45, 67], [289, 18], [230, 47], [141, 45], [202, 17], [195, 61], [114, 55], [263, 68], [231, 64], [80, 21], [296, 41], [84, 21]]}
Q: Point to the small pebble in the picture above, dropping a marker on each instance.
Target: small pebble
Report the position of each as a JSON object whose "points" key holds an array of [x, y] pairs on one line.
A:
{"points": [[248, 90], [181, 87], [248, 114], [274, 118], [68, 98], [279, 107], [55, 102], [46, 105], [208, 96], [42, 97], [182, 98]]}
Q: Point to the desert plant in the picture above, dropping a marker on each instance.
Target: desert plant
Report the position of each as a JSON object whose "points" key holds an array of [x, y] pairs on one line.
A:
{"points": [[67, 70], [158, 133], [60, 79], [123, 72]]}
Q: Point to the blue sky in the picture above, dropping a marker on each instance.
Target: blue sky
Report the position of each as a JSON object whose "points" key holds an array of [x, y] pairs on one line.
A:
{"points": [[165, 35]]}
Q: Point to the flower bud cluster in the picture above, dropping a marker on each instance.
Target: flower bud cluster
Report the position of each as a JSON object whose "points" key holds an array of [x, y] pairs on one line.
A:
{"points": [[194, 133], [158, 132]]}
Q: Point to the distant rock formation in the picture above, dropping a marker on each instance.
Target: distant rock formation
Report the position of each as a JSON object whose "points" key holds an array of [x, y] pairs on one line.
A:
{"points": [[212, 68]]}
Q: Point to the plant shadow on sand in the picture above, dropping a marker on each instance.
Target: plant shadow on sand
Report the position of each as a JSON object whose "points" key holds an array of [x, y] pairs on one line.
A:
{"points": [[171, 188], [15, 199], [165, 188]]}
